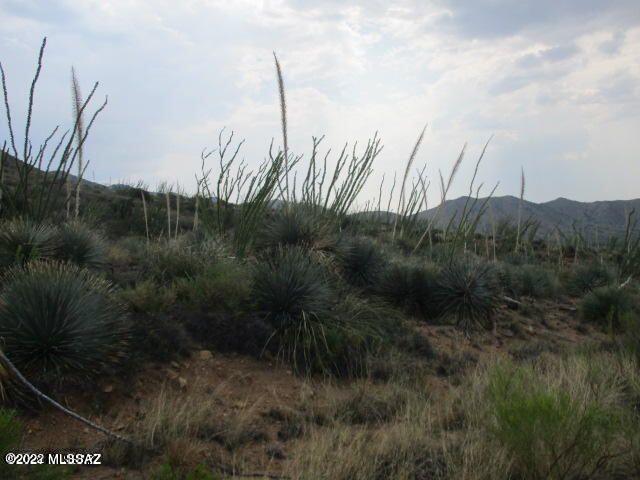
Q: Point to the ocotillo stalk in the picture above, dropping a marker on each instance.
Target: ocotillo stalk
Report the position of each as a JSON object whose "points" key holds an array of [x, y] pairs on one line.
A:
{"points": [[520, 211]]}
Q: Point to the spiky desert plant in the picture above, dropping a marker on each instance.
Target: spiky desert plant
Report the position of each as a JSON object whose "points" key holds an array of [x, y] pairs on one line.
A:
{"points": [[78, 244], [467, 292], [589, 276], [606, 305], [291, 293], [22, 241], [59, 322], [361, 261], [297, 226]]}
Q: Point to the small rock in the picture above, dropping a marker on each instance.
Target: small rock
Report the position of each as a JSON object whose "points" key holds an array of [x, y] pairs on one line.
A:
{"points": [[107, 388], [205, 355], [175, 364], [182, 382]]}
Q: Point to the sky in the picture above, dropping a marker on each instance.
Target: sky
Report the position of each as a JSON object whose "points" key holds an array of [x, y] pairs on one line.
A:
{"points": [[556, 82]]}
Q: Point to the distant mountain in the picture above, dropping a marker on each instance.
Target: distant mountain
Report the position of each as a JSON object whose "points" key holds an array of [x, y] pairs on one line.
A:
{"points": [[606, 217]]}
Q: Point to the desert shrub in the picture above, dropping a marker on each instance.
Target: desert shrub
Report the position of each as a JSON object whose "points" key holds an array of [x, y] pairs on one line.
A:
{"points": [[551, 429], [58, 321], [80, 245], [22, 241], [361, 261], [402, 449], [606, 305], [148, 297], [229, 332], [534, 281], [223, 286], [411, 287], [467, 292], [365, 404], [297, 226], [357, 329], [158, 336], [630, 337], [586, 277], [169, 261]]}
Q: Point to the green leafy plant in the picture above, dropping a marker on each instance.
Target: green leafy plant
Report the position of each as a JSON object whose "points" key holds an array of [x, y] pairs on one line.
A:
{"points": [[22, 241], [467, 292], [59, 322], [550, 432], [80, 245]]}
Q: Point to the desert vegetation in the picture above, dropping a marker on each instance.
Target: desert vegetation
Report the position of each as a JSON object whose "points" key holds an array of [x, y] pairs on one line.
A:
{"points": [[273, 325]]}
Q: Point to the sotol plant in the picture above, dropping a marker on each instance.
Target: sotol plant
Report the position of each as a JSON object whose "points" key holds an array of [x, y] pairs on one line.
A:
{"points": [[60, 322], [292, 295], [80, 245], [361, 261], [22, 241], [467, 292]]}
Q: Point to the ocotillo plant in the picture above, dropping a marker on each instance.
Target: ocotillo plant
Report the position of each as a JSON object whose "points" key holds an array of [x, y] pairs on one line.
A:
{"points": [[36, 194]]}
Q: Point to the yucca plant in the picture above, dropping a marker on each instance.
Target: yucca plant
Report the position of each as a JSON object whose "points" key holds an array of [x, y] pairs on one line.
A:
{"points": [[78, 244], [468, 292], [59, 322], [361, 261], [22, 241], [291, 293], [297, 226]]}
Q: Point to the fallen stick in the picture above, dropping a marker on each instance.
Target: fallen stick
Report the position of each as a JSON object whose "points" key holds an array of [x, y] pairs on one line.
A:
{"points": [[12, 368]]}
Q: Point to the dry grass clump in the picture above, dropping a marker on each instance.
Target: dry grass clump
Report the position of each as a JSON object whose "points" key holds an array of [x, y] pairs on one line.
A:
{"points": [[553, 418]]}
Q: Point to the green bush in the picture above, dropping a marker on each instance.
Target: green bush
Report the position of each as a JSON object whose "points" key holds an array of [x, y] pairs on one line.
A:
{"points": [[148, 297], [297, 226], [58, 321], [467, 292], [586, 277], [361, 261], [411, 287], [80, 245], [22, 241], [606, 305], [222, 286], [534, 281], [549, 432], [165, 262]]}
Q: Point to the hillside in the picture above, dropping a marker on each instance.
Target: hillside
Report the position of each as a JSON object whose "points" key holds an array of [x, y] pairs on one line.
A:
{"points": [[606, 217]]}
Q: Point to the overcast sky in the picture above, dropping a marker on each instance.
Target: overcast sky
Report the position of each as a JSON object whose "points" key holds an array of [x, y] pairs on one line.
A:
{"points": [[557, 82]]}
